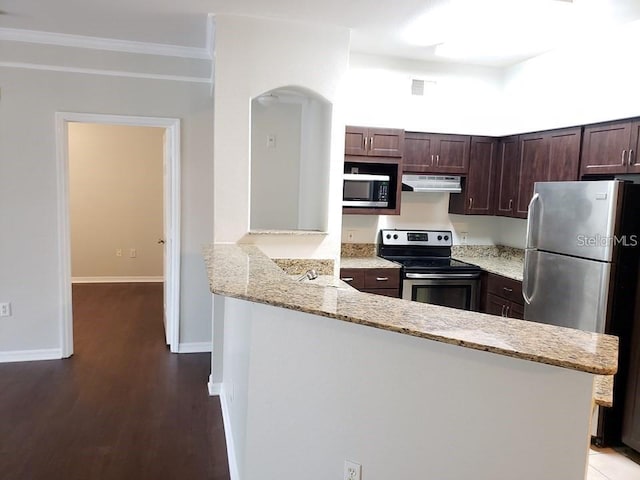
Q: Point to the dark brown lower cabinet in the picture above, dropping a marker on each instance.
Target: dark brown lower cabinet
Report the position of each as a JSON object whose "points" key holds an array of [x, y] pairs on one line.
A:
{"points": [[503, 296], [381, 281]]}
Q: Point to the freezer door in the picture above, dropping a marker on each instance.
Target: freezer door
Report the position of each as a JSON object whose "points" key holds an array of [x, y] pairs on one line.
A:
{"points": [[566, 291], [575, 218]]}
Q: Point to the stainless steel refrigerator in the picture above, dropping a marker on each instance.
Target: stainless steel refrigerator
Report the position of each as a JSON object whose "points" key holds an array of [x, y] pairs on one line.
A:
{"points": [[581, 264]]}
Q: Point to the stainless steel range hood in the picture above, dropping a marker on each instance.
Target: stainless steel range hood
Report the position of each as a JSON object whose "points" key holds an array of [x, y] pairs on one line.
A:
{"points": [[431, 183]]}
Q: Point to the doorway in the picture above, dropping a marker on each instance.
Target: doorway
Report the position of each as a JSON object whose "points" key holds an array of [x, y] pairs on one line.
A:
{"points": [[170, 212]]}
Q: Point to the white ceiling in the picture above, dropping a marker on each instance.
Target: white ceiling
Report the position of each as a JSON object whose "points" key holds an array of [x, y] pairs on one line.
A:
{"points": [[377, 25]]}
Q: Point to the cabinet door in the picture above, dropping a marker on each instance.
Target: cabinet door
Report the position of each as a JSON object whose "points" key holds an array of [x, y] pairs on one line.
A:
{"points": [[496, 305], [386, 142], [356, 141], [419, 155], [516, 311], [353, 276], [564, 155], [631, 419], [479, 182], [634, 160], [452, 154], [506, 176], [605, 148], [533, 166]]}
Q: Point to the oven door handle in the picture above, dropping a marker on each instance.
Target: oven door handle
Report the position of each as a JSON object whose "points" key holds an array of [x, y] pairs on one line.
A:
{"points": [[440, 276]]}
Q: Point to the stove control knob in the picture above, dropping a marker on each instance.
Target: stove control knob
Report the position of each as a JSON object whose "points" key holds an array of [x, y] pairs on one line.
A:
{"points": [[446, 237], [395, 236], [388, 235], [439, 237]]}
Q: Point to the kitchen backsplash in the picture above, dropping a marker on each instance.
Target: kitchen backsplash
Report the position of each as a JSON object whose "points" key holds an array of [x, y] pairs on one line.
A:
{"points": [[487, 251], [358, 250]]}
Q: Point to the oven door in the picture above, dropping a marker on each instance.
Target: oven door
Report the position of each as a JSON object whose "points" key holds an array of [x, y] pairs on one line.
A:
{"points": [[455, 290]]}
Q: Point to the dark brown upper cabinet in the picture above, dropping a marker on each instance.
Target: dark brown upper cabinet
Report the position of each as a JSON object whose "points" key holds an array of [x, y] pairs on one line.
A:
{"points": [[478, 190], [436, 153], [506, 179], [611, 148], [551, 156], [374, 142]]}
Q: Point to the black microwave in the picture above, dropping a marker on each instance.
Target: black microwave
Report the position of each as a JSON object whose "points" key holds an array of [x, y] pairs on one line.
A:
{"points": [[365, 190]]}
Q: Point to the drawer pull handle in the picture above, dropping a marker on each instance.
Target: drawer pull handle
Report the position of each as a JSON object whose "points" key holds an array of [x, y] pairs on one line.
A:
{"points": [[347, 279], [508, 290], [502, 314], [382, 279]]}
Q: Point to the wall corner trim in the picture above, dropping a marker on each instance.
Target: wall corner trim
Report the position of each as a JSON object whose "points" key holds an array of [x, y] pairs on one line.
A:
{"points": [[30, 355], [195, 347]]}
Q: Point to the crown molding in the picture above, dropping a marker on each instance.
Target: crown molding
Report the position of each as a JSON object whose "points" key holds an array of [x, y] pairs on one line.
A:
{"points": [[109, 73], [97, 43]]}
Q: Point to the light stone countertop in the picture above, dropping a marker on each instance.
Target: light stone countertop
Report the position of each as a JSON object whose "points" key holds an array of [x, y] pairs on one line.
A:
{"points": [[603, 390], [243, 271], [367, 262], [506, 267], [498, 259]]}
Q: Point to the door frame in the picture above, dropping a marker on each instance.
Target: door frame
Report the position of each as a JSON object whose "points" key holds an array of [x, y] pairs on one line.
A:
{"points": [[171, 206]]}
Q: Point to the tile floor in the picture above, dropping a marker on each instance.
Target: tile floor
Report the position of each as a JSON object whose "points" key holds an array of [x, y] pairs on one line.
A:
{"points": [[608, 464]]}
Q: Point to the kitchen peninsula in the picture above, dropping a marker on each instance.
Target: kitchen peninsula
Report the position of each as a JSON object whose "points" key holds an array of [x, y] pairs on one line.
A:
{"points": [[306, 383]]}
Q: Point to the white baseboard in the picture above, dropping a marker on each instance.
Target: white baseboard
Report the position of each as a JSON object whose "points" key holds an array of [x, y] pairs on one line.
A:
{"points": [[195, 347], [117, 279], [214, 388], [30, 355], [228, 435]]}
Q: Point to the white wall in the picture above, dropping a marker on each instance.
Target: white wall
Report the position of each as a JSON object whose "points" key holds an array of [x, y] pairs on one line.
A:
{"points": [[302, 393], [592, 82], [275, 169], [115, 200], [464, 98], [272, 54], [29, 243]]}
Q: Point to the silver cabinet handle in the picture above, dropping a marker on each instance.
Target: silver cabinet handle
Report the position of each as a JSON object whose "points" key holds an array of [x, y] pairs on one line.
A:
{"points": [[470, 202], [622, 159], [510, 203], [346, 279], [631, 162], [502, 312], [366, 139], [507, 289], [371, 143], [382, 279], [431, 160], [506, 314], [437, 159]]}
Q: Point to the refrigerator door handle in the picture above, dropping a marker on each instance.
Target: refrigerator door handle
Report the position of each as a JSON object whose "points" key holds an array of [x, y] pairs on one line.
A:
{"points": [[525, 281], [531, 220]]}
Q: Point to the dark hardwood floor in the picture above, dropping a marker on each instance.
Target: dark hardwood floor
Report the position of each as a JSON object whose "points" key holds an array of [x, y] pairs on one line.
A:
{"points": [[122, 407]]}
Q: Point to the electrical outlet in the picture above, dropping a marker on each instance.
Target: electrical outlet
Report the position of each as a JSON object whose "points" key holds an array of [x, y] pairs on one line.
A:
{"points": [[271, 140], [463, 237], [351, 235], [5, 309], [352, 470], [118, 252], [133, 253]]}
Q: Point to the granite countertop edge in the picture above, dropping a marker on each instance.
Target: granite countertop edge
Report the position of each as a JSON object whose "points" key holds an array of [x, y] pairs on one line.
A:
{"points": [[244, 272]]}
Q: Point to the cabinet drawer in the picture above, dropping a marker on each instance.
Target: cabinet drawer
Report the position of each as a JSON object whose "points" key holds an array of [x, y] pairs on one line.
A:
{"points": [[389, 292], [382, 278], [505, 287], [353, 276]]}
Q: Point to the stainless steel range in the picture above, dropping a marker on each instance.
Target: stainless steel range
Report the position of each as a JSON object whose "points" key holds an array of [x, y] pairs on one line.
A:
{"points": [[429, 274]]}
